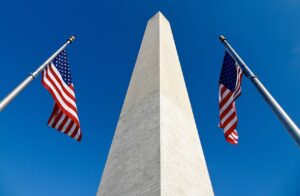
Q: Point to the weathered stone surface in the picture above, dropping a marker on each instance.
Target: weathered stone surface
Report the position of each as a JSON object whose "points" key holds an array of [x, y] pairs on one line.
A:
{"points": [[156, 149]]}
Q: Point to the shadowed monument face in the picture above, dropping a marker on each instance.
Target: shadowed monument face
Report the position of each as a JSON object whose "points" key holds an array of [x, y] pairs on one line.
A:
{"points": [[156, 148]]}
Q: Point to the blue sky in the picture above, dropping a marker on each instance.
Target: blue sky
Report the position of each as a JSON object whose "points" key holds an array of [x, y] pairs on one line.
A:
{"points": [[36, 160]]}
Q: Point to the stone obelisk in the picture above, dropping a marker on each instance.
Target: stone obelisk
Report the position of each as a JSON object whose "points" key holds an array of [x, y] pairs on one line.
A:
{"points": [[156, 149]]}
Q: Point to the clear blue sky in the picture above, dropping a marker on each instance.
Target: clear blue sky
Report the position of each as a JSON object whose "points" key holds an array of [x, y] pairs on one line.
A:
{"points": [[36, 160]]}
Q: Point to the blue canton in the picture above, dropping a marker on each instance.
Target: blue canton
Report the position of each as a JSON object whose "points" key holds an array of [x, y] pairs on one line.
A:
{"points": [[228, 75], [62, 65]]}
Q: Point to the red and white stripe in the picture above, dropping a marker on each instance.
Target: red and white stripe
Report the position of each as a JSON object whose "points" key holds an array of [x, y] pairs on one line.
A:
{"points": [[238, 89], [64, 116], [228, 116]]}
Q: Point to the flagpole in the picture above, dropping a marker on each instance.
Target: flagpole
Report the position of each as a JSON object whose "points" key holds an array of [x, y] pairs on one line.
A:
{"points": [[277, 109], [32, 76]]}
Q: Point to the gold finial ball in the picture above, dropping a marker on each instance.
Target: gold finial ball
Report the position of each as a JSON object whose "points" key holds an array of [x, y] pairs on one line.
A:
{"points": [[222, 38], [71, 39]]}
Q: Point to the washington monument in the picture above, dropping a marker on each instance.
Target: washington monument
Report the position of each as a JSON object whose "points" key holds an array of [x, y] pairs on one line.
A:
{"points": [[156, 150]]}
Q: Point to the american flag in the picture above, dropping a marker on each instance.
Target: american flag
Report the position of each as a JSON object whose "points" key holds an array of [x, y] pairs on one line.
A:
{"points": [[57, 80], [229, 91]]}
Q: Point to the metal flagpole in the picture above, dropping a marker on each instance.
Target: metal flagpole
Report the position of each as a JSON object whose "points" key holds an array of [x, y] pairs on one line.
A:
{"points": [[277, 109], [32, 76]]}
